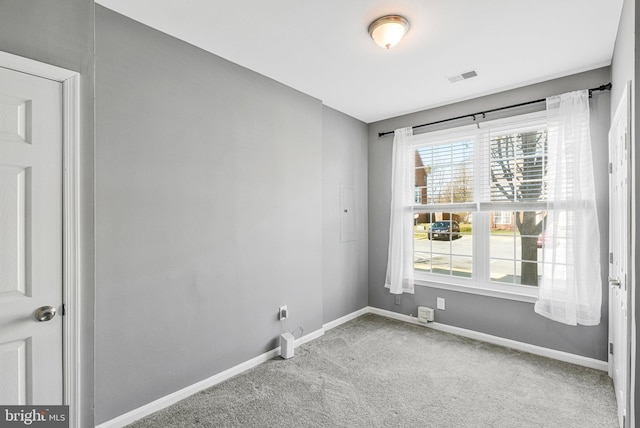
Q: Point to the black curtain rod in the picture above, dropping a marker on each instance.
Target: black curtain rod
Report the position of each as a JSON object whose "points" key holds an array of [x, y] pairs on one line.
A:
{"points": [[606, 87]]}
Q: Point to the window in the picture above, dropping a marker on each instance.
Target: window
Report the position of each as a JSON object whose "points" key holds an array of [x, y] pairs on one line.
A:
{"points": [[480, 205], [437, 249], [502, 218], [444, 173], [515, 257]]}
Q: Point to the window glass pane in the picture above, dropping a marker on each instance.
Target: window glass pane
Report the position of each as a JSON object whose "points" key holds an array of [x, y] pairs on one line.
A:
{"points": [[462, 266], [502, 245], [444, 173], [518, 166], [514, 272], [502, 271], [518, 244], [464, 245], [558, 270], [502, 218], [528, 249], [441, 264], [421, 246], [528, 273], [421, 260], [443, 243]]}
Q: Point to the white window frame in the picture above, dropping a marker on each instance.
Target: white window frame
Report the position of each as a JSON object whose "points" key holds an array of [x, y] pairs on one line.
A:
{"points": [[480, 282]]}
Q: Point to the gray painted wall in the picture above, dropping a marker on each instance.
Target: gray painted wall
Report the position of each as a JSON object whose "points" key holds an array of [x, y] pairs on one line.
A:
{"points": [[208, 206], [61, 33], [623, 69], [500, 317], [164, 271], [344, 163]]}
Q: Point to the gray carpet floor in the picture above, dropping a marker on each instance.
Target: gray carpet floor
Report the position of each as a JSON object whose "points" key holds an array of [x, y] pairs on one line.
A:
{"points": [[377, 372]]}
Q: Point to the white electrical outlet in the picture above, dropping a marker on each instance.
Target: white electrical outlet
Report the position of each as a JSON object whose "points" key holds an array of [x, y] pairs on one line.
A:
{"points": [[440, 303], [283, 313]]}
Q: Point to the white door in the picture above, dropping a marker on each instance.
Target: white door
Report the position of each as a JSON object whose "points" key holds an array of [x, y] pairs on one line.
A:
{"points": [[619, 238], [30, 239]]}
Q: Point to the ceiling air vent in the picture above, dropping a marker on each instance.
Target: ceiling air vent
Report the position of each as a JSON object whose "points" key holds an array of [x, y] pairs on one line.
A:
{"points": [[462, 76]]}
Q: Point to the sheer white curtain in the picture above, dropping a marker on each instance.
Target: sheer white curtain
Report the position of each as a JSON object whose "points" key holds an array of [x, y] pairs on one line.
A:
{"points": [[570, 291], [400, 258]]}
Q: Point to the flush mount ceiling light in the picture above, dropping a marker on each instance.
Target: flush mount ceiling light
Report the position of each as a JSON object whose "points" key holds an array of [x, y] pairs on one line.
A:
{"points": [[388, 30]]}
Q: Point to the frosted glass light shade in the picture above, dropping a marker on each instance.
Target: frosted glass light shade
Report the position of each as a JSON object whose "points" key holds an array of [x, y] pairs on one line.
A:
{"points": [[388, 30]]}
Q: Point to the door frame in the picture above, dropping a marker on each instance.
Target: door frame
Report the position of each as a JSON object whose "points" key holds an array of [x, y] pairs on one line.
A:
{"points": [[625, 102], [71, 293]]}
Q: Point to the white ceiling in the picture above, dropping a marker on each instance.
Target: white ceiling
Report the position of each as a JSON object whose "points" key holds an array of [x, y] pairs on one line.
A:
{"points": [[322, 47]]}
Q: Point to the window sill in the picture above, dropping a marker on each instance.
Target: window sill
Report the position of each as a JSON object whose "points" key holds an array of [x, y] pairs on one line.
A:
{"points": [[519, 293]]}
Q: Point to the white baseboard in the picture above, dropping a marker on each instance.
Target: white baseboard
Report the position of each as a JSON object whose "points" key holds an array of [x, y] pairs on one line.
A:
{"points": [[353, 315], [307, 338], [173, 398], [508, 343], [394, 315]]}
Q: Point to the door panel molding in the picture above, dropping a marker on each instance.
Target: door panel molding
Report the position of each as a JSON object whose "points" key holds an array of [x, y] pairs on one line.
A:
{"points": [[620, 274], [72, 321]]}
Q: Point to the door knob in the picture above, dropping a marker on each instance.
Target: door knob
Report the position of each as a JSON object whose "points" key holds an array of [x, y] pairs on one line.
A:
{"points": [[45, 313], [614, 282]]}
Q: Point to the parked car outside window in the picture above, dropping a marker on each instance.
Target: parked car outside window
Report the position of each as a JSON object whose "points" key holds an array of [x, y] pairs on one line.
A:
{"points": [[444, 229]]}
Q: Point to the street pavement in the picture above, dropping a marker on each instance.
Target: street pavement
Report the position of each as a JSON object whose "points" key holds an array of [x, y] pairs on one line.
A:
{"points": [[455, 256]]}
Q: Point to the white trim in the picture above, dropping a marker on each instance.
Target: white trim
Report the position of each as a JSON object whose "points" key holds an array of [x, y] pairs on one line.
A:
{"points": [[394, 315], [173, 398], [71, 216], [183, 393], [39, 69], [307, 338], [508, 343], [627, 408], [353, 315], [500, 291], [71, 246]]}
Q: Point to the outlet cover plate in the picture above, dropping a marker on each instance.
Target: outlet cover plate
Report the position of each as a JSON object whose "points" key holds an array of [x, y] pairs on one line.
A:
{"points": [[440, 303], [283, 313]]}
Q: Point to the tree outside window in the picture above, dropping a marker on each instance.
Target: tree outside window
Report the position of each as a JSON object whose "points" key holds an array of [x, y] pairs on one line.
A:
{"points": [[518, 175]]}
